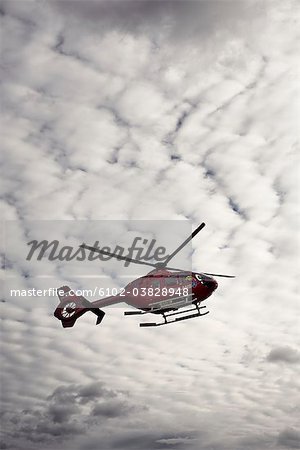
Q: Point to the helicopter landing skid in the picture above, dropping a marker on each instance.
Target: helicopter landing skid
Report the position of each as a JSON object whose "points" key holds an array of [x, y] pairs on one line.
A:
{"points": [[181, 315]]}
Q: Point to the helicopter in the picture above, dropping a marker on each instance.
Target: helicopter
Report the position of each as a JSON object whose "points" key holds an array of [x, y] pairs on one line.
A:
{"points": [[173, 293]]}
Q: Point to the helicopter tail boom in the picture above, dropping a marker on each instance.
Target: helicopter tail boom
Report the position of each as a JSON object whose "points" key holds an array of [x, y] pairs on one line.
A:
{"points": [[73, 306]]}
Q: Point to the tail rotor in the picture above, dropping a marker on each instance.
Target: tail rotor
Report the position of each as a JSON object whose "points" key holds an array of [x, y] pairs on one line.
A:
{"points": [[73, 306]]}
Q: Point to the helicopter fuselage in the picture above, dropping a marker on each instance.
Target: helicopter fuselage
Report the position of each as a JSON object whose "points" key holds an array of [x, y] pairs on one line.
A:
{"points": [[162, 289]]}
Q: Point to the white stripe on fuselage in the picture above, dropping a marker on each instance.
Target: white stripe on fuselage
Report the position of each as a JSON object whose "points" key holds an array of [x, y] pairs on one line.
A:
{"points": [[174, 302]]}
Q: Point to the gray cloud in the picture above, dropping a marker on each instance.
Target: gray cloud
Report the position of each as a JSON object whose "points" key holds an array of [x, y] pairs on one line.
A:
{"points": [[289, 438], [153, 440], [176, 19], [83, 394], [111, 409], [69, 411], [284, 354], [148, 440], [61, 413]]}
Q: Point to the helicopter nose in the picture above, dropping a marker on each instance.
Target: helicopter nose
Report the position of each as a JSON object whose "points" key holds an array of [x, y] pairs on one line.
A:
{"points": [[215, 284], [211, 284]]}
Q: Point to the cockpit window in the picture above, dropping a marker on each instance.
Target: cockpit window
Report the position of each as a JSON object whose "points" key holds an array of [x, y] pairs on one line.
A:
{"points": [[180, 280], [170, 281]]}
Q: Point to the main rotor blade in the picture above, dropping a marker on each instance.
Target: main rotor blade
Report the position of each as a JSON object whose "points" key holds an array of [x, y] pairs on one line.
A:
{"points": [[175, 269], [184, 243], [113, 255], [218, 275], [205, 273]]}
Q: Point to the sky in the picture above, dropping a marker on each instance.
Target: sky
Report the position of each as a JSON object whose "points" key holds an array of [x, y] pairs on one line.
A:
{"points": [[153, 111]]}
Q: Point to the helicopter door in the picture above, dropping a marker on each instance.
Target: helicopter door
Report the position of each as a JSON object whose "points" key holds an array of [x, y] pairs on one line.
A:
{"points": [[171, 282], [155, 285], [145, 286], [152, 286]]}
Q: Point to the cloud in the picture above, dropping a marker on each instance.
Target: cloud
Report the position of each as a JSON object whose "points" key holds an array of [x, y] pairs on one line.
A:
{"points": [[178, 20], [152, 440], [284, 354], [114, 408], [69, 411], [289, 438]]}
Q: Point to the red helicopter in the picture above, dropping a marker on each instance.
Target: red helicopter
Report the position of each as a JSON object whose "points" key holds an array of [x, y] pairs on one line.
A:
{"points": [[173, 293]]}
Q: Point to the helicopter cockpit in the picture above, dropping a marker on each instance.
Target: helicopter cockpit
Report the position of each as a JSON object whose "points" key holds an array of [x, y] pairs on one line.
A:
{"points": [[207, 281]]}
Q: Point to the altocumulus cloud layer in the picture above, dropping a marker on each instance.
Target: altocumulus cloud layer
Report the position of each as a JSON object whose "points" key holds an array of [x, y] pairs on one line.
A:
{"points": [[156, 110]]}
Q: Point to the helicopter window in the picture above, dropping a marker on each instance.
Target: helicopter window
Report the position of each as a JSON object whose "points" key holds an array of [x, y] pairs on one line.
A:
{"points": [[143, 282], [155, 284], [171, 281], [180, 280]]}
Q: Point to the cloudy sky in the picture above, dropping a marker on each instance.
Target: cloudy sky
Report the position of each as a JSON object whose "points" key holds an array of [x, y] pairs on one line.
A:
{"points": [[155, 110]]}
